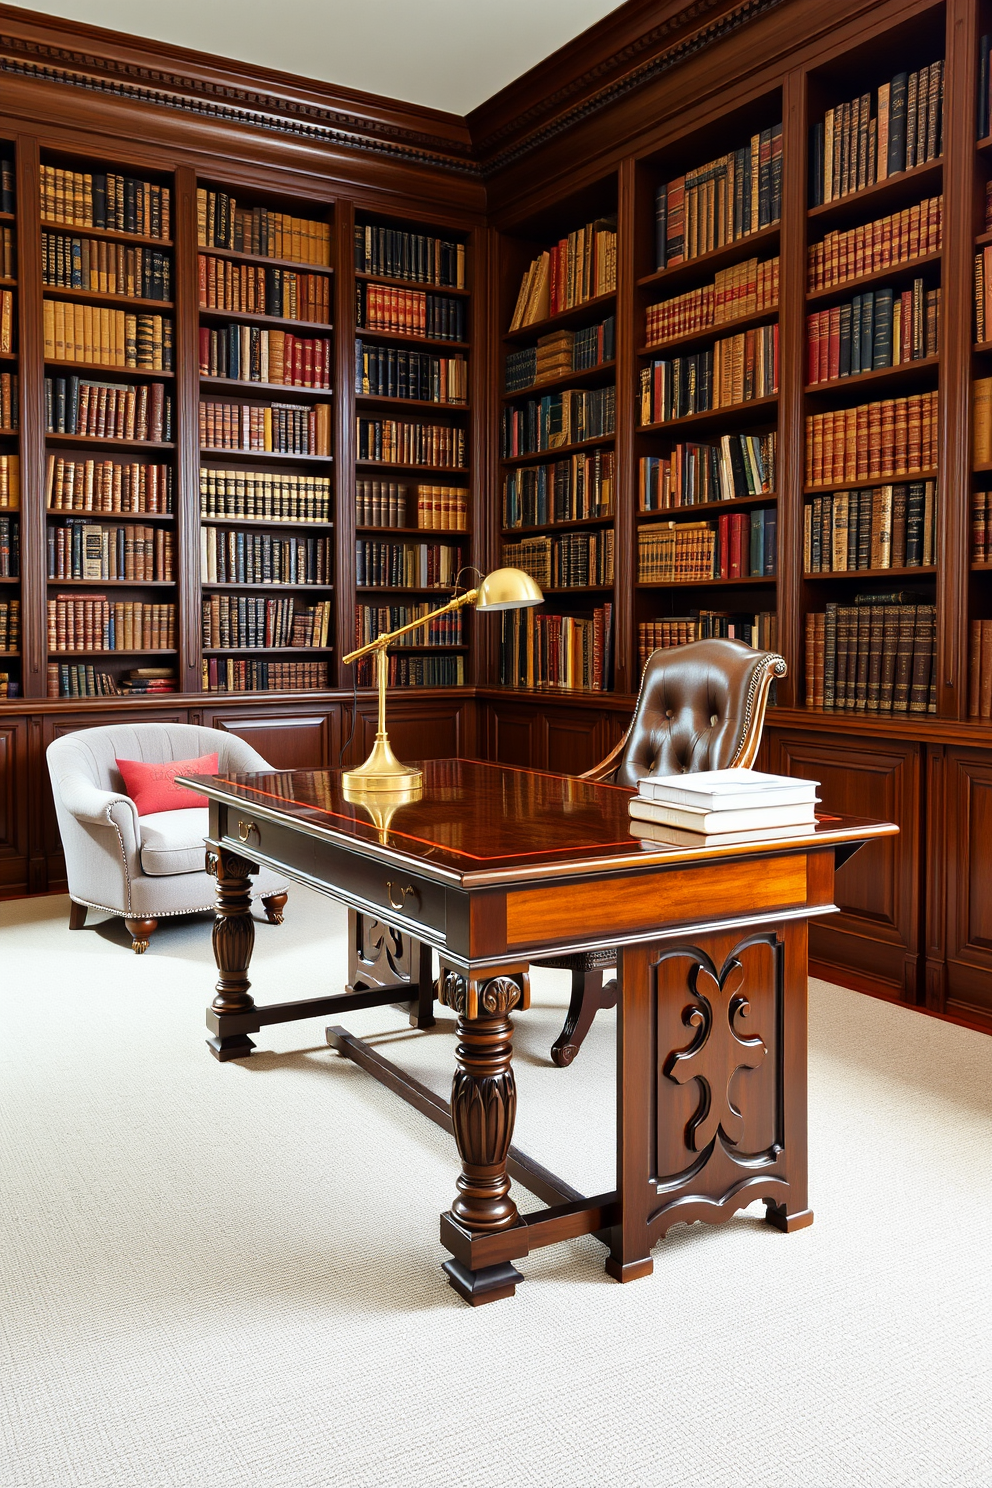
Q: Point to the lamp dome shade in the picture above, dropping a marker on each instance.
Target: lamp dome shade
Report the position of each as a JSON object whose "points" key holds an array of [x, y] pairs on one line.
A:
{"points": [[508, 589]]}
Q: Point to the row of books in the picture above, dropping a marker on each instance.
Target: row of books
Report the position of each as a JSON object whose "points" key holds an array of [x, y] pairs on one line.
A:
{"points": [[758, 630], [105, 268], [983, 295], [276, 428], [414, 671], [243, 622], [981, 421], [738, 545], [980, 669], [393, 253], [112, 338], [10, 482], [8, 189], [726, 199], [557, 420], [107, 486], [409, 312], [372, 621], [878, 527], [107, 200], [740, 465], [575, 560], [248, 674], [878, 134], [559, 353], [10, 624], [913, 232], [10, 548], [221, 223], [108, 410], [874, 441], [233, 556], [264, 495], [9, 410], [579, 267], [738, 369], [571, 490], [395, 504], [876, 329], [392, 565], [6, 320], [8, 259], [873, 656], [249, 353], [570, 651], [82, 679], [224, 285], [748, 288], [97, 624], [981, 527], [95, 551], [397, 442], [394, 372]]}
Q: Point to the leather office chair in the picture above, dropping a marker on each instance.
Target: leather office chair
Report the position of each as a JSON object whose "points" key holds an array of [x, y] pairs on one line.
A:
{"points": [[700, 707]]}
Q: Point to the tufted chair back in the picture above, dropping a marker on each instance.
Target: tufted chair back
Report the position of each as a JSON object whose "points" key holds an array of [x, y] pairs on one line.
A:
{"points": [[700, 707]]}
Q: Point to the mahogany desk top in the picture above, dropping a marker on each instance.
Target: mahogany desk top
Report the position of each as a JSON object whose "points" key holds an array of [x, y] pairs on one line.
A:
{"points": [[494, 867]]}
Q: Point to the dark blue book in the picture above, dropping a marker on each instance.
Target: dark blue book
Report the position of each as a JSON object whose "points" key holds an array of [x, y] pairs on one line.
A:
{"points": [[856, 334], [756, 556], [897, 123], [983, 87], [882, 339], [771, 534], [867, 330], [844, 367], [660, 225]]}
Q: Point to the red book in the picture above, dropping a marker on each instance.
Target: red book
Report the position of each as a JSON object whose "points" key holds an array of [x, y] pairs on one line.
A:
{"points": [[308, 362], [736, 523], [833, 354], [823, 343], [724, 530], [205, 350], [812, 348]]}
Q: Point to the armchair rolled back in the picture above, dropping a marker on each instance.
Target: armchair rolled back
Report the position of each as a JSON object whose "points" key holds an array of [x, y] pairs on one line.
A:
{"points": [[700, 707]]}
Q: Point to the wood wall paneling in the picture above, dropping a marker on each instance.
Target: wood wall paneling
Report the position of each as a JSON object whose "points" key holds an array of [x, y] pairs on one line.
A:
{"points": [[288, 738], [969, 876]]}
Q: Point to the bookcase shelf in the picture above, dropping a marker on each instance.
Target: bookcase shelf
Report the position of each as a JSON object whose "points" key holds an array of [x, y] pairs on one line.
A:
{"points": [[313, 527], [109, 235], [904, 374], [102, 441], [581, 378], [104, 297], [588, 312], [267, 650], [543, 456], [59, 655], [885, 196], [380, 400], [734, 415], [418, 284], [564, 526], [222, 586], [263, 261], [873, 575], [704, 265], [105, 516], [299, 328], [429, 533], [108, 374], [283, 391], [407, 338], [897, 275], [241, 456], [871, 480], [111, 584], [703, 338], [748, 581], [707, 508], [443, 475]]}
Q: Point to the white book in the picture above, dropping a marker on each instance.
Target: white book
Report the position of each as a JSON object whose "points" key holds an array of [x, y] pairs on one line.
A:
{"points": [[678, 837], [695, 819], [728, 790]]}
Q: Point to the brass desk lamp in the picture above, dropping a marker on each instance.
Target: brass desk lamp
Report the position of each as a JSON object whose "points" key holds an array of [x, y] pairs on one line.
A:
{"points": [[503, 589]]}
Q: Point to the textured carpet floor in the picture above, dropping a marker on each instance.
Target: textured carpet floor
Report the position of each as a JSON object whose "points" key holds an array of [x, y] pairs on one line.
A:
{"points": [[226, 1276]]}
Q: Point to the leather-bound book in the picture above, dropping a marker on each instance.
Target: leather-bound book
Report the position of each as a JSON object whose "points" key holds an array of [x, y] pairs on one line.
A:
{"points": [[875, 640], [919, 692]]}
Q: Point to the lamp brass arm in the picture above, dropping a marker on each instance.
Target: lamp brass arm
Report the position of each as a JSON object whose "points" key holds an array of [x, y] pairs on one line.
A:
{"points": [[382, 641]]}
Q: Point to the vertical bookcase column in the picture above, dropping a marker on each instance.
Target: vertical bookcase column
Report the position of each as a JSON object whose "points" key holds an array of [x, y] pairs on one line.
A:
{"points": [[186, 415], [345, 448], [792, 378], [34, 627], [483, 422], [625, 677], [956, 332]]}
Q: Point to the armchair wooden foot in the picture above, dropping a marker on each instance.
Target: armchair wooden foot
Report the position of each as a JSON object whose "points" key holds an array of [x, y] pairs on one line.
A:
{"points": [[141, 933], [589, 995], [274, 904], [77, 915]]}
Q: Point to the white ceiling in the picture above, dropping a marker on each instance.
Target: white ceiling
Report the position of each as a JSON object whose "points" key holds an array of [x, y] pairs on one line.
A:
{"points": [[447, 54]]}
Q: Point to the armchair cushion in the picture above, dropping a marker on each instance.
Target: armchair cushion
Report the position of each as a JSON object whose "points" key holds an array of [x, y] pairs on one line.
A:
{"points": [[153, 788], [172, 841]]}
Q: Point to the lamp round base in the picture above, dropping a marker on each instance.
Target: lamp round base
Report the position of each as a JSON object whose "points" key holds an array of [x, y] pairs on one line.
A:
{"points": [[382, 771]]}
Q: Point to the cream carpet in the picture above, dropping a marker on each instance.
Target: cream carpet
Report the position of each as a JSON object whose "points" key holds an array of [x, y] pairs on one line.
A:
{"points": [[226, 1276]]}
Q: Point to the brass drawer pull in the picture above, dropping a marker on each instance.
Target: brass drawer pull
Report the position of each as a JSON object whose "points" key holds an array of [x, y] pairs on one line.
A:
{"points": [[404, 891], [245, 830]]}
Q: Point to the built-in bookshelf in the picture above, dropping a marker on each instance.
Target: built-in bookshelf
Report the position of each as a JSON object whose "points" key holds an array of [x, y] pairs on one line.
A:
{"points": [[557, 441], [10, 416], [265, 296], [413, 455], [109, 415]]}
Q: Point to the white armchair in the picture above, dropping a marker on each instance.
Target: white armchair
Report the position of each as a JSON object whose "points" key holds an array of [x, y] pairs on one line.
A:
{"points": [[143, 868]]}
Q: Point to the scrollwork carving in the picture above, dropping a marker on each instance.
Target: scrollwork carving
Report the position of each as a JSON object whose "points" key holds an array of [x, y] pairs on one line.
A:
{"points": [[500, 996], [719, 1049], [452, 990]]}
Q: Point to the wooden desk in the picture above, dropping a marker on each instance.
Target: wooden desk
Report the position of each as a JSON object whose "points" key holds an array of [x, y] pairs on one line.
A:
{"points": [[494, 866]]}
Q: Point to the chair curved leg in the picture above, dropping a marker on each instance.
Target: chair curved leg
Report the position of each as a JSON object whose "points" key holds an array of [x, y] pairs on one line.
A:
{"points": [[589, 995], [77, 915], [274, 904], [141, 933]]}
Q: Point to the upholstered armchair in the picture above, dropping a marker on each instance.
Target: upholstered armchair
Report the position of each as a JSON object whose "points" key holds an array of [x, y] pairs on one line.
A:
{"points": [[143, 868], [700, 707]]}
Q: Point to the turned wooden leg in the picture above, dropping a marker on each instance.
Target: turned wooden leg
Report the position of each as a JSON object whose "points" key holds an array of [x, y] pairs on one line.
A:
{"points": [[274, 904], [589, 996], [141, 933], [233, 942], [77, 915], [483, 1107]]}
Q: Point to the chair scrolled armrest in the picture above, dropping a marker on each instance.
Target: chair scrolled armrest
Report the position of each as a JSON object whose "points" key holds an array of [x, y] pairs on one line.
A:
{"points": [[102, 808]]}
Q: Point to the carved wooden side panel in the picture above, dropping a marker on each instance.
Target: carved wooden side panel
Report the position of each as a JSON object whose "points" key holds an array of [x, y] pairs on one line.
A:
{"points": [[378, 955], [295, 740], [419, 728], [517, 735], [969, 883], [878, 934], [576, 740], [15, 794]]}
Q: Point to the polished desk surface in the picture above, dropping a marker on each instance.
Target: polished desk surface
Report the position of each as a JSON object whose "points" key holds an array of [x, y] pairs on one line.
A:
{"points": [[478, 823]]}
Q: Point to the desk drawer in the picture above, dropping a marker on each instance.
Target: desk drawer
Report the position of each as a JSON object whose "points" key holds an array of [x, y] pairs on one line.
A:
{"points": [[361, 882]]}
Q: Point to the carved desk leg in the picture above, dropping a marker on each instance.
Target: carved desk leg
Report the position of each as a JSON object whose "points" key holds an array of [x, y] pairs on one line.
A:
{"points": [[483, 1108], [630, 1249], [233, 941]]}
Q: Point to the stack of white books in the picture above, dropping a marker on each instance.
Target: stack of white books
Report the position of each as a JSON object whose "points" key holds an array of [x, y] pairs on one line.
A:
{"points": [[722, 807]]}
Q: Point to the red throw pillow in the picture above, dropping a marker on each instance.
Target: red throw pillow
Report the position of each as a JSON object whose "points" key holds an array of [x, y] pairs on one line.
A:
{"points": [[153, 787]]}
